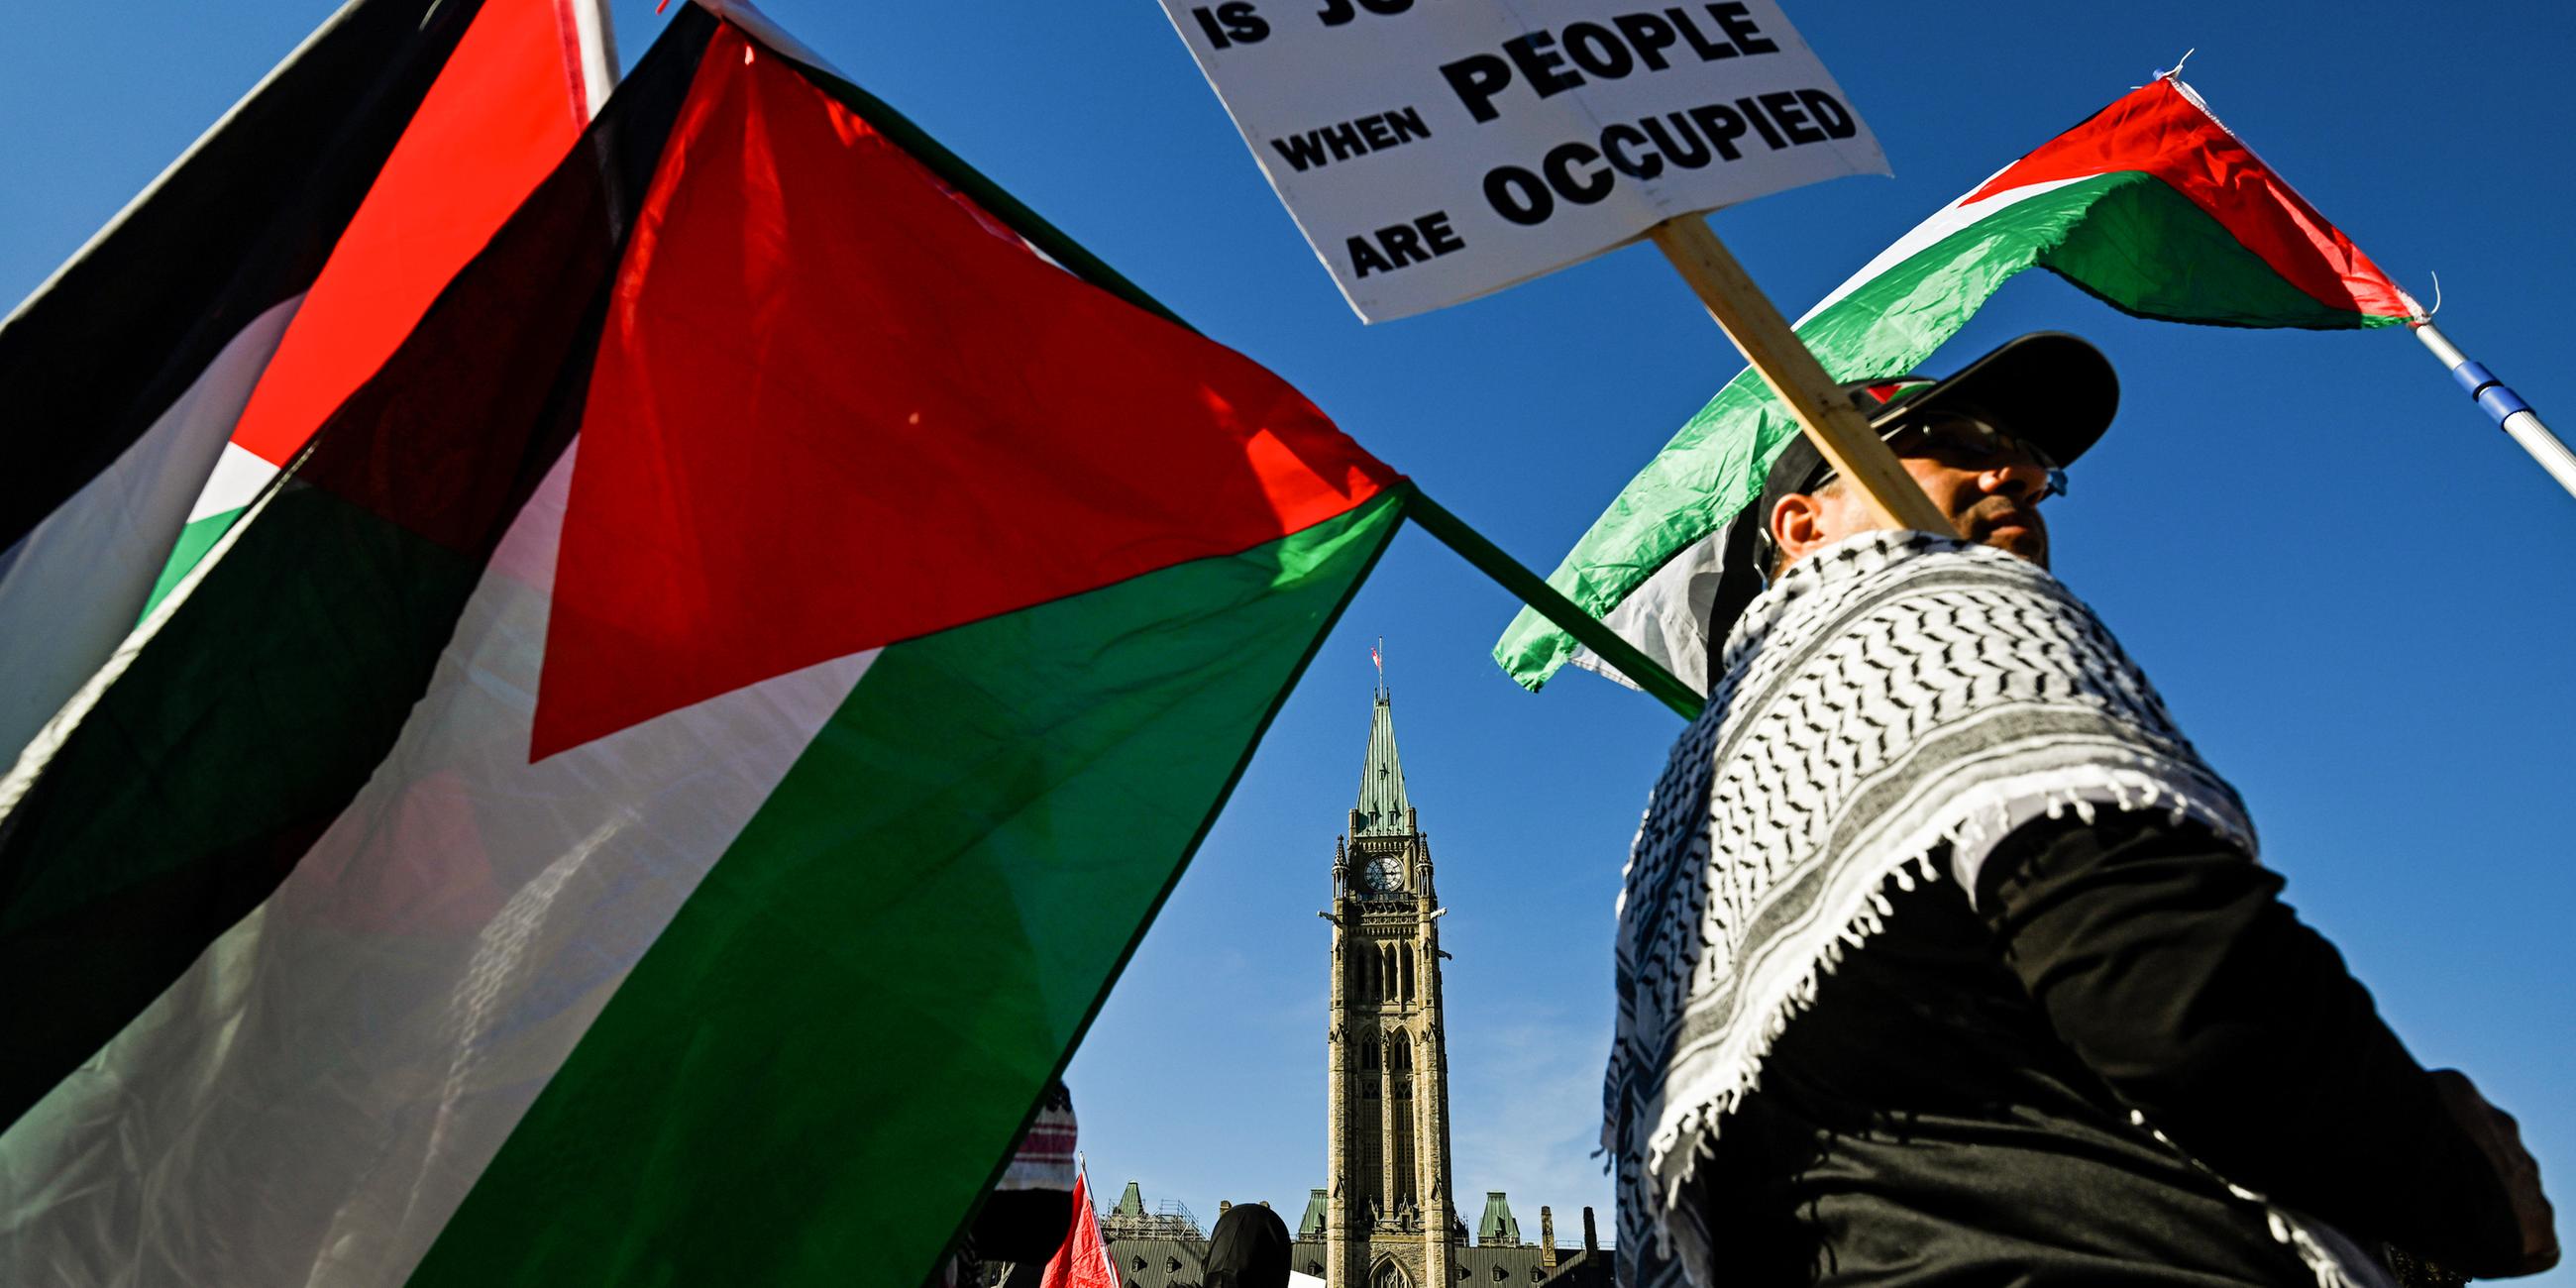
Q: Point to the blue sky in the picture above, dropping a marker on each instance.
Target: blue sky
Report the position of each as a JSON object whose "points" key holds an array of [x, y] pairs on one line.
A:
{"points": [[2349, 587]]}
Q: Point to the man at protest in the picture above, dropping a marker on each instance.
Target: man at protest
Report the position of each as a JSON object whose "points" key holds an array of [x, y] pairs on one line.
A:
{"points": [[1944, 958]]}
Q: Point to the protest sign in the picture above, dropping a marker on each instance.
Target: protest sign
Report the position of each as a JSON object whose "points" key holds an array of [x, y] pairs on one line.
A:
{"points": [[1437, 150]]}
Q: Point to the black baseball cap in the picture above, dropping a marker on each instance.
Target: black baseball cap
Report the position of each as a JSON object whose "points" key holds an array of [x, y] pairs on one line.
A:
{"points": [[2049, 389]]}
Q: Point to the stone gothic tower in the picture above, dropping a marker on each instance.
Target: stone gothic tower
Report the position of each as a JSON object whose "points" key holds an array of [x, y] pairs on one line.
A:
{"points": [[1389, 1219]]}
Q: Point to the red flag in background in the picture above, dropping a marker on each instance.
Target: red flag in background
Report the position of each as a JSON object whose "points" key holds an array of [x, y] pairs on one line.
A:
{"points": [[1083, 1261]]}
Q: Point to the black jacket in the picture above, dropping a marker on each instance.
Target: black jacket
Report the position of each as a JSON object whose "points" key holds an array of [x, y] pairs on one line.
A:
{"points": [[1957, 1108]]}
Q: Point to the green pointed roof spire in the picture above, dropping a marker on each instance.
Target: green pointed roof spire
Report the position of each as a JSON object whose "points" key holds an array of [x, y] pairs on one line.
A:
{"points": [[1311, 1225], [1497, 1227], [1383, 809]]}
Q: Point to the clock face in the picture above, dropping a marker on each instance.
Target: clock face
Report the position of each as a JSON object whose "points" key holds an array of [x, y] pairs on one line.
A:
{"points": [[1383, 873]]}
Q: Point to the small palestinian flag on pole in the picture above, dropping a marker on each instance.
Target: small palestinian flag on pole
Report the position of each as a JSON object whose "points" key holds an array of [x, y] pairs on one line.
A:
{"points": [[2151, 206], [245, 293], [658, 788]]}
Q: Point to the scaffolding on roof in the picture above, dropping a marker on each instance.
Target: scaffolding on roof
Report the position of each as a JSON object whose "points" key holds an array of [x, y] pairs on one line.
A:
{"points": [[1170, 1219]]}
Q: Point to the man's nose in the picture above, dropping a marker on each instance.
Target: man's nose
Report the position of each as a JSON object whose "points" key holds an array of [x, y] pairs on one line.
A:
{"points": [[2023, 480]]}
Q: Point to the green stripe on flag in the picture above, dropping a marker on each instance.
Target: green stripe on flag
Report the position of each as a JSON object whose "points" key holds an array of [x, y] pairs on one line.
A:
{"points": [[2146, 249], [817, 1068], [198, 537]]}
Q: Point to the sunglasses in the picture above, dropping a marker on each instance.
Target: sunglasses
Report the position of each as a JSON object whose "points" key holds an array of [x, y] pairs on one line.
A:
{"points": [[1967, 443]]}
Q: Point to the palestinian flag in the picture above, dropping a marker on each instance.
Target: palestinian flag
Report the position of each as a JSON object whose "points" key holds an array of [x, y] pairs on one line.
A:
{"points": [[271, 268], [2151, 206], [657, 790]]}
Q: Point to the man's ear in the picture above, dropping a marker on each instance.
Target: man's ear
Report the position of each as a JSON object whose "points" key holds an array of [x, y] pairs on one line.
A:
{"points": [[1797, 525]]}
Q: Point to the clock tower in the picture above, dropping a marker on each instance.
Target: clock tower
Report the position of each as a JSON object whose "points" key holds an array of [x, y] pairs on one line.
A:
{"points": [[1388, 1219]]}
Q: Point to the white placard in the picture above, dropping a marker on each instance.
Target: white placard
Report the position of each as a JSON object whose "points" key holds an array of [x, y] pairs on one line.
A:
{"points": [[1435, 150]]}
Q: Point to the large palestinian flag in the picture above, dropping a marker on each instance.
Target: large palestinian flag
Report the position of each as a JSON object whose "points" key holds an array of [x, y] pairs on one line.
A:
{"points": [[2151, 206], [245, 293], [656, 792]]}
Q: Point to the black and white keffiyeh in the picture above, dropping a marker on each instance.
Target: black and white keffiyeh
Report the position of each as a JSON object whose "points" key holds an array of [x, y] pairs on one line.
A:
{"points": [[1892, 693]]}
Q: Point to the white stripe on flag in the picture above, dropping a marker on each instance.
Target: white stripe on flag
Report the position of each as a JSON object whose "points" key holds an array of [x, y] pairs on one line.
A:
{"points": [[1943, 222], [238, 478], [1666, 617]]}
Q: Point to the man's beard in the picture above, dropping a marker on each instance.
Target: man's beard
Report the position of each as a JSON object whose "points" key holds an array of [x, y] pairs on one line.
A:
{"points": [[1992, 512]]}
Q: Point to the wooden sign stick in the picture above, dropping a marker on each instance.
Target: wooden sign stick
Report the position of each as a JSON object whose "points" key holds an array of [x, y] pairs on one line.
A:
{"points": [[1836, 427]]}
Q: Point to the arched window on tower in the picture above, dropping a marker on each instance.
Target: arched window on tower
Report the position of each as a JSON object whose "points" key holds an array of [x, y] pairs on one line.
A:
{"points": [[1408, 974], [1386, 962], [1368, 1056], [1389, 1275], [1399, 1053]]}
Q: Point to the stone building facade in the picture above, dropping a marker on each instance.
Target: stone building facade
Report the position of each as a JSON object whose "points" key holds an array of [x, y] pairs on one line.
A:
{"points": [[1387, 1217]]}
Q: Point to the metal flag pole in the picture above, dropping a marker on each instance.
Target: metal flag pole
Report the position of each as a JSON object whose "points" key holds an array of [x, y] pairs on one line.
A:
{"points": [[2503, 406], [598, 35]]}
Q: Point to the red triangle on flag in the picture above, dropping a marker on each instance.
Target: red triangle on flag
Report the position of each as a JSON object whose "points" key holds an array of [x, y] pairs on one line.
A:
{"points": [[834, 408], [2159, 129]]}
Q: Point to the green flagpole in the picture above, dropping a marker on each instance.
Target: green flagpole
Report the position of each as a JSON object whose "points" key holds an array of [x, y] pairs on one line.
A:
{"points": [[1530, 589]]}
